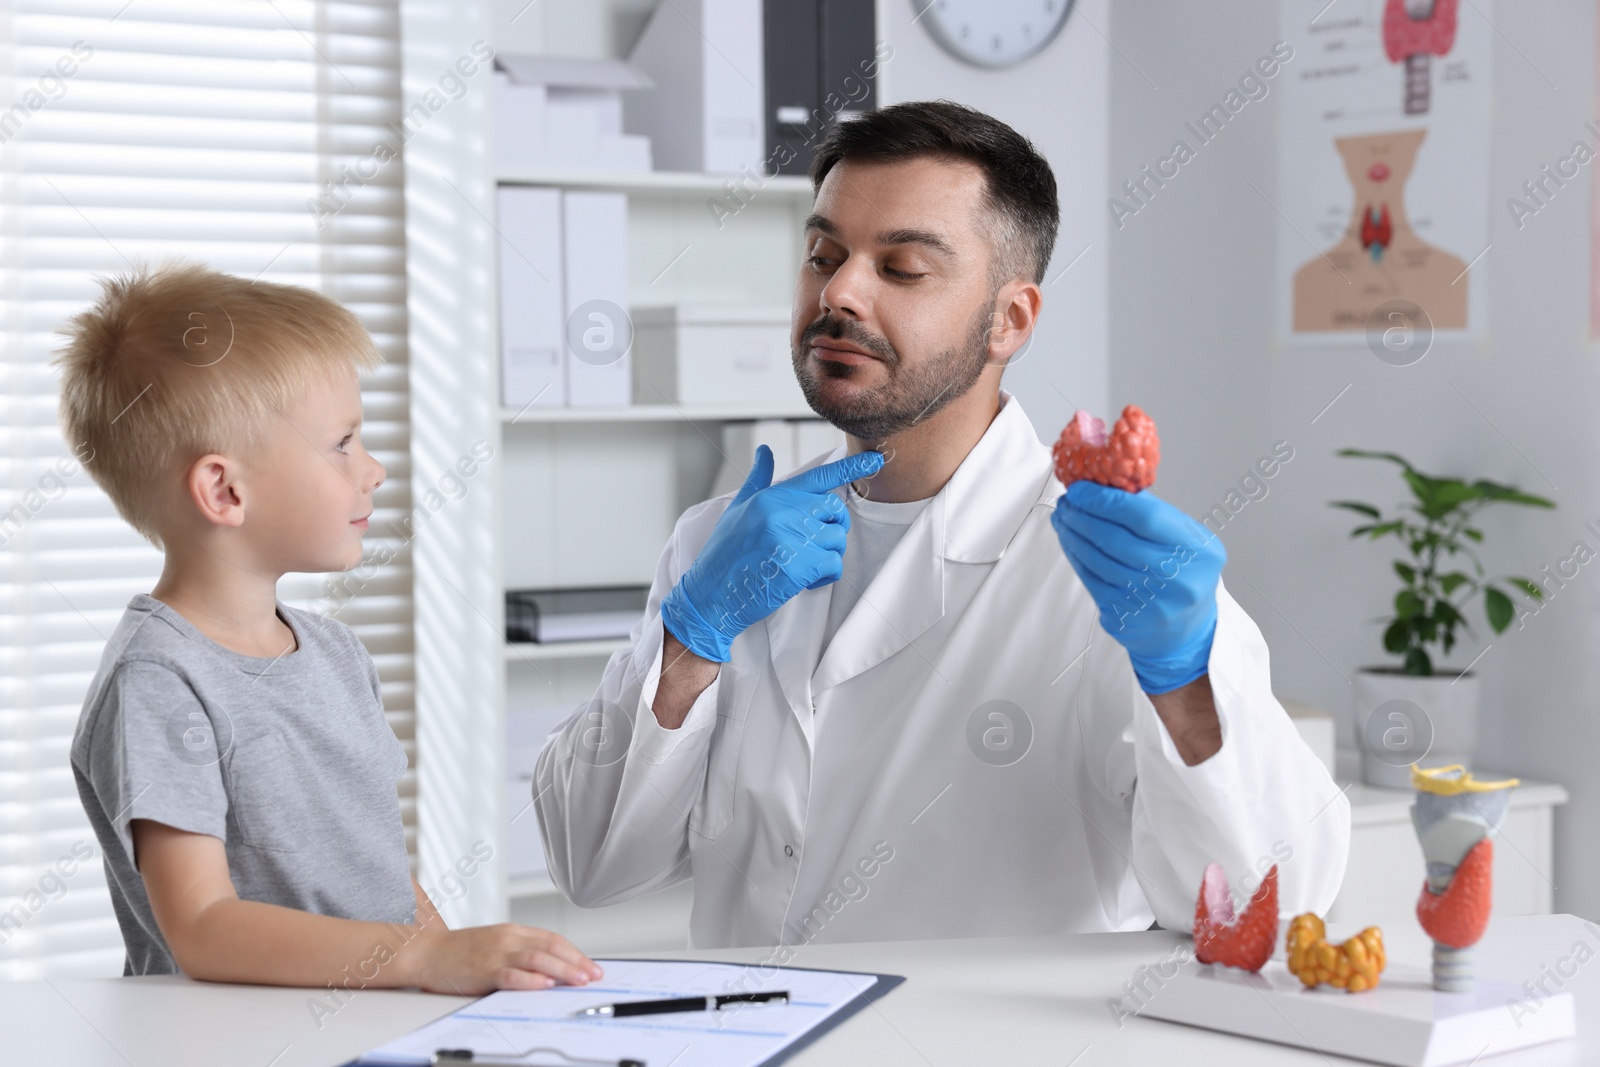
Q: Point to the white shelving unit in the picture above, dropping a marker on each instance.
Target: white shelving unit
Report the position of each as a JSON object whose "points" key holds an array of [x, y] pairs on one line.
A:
{"points": [[522, 651], [650, 413], [570, 497], [693, 238], [661, 182]]}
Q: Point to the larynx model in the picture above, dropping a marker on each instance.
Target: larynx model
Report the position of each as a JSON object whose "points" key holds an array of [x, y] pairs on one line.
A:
{"points": [[1454, 815]]}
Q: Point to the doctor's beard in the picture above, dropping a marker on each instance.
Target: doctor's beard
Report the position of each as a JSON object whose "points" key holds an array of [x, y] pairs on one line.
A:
{"points": [[912, 393]]}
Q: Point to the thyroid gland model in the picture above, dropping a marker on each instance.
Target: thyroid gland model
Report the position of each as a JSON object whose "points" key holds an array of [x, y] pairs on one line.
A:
{"points": [[1125, 457], [1454, 815], [1379, 258], [1242, 939], [1414, 30]]}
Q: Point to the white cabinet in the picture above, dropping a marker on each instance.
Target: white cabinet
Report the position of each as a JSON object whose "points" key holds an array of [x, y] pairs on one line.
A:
{"points": [[1385, 871]]}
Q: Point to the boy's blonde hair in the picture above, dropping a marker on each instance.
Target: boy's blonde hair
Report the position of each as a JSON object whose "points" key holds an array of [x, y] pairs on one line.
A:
{"points": [[179, 361]]}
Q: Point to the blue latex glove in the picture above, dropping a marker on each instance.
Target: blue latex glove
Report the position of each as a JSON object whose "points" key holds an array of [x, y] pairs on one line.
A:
{"points": [[1152, 570], [771, 543]]}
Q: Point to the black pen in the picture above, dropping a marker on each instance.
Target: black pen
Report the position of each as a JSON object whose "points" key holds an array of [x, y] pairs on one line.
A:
{"points": [[662, 1007]]}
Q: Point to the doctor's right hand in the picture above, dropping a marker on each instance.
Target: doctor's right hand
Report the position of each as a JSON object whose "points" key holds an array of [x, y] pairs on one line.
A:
{"points": [[773, 542]]}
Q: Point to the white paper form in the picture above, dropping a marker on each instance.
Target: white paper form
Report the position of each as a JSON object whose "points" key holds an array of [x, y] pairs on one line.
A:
{"points": [[510, 1024]]}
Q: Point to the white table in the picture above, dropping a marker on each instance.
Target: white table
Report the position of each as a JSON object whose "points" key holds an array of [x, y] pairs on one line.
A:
{"points": [[964, 1004]]}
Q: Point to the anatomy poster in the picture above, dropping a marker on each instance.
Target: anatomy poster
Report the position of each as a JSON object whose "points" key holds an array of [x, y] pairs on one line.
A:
{"points": [[1383, 182]]}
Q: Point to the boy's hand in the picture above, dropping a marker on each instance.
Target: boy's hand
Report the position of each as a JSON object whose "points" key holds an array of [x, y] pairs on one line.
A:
{"points": [[481, 959]]}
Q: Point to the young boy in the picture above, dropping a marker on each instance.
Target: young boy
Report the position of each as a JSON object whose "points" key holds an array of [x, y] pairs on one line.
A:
{"points": [[232, 753]]}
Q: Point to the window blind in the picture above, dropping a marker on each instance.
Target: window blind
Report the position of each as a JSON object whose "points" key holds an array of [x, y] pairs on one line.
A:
{"points": [[243, 135]]}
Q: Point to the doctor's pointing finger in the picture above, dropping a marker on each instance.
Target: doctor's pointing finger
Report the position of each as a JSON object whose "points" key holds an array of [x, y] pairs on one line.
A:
{"points": [[771, 543]]}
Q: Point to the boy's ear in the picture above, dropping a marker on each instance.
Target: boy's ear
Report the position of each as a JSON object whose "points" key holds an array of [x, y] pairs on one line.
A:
{"points": [[213, 486]]}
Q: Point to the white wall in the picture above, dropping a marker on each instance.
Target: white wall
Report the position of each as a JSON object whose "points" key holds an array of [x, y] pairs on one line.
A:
{"points": [[1192, 339], [1058, 99]]}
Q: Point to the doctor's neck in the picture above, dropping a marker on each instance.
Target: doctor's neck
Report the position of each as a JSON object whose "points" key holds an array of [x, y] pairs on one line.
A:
{"points": [[920, 459]]}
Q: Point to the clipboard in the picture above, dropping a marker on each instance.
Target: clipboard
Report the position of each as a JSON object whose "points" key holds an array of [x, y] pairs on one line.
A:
{"points": [[502, 1025]]}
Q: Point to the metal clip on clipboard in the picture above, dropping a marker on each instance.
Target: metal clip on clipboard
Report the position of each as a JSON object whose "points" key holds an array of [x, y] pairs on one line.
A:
{"points": [[460, 1057]]}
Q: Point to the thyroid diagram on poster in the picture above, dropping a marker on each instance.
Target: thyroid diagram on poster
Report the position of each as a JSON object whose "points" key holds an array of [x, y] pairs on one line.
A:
{"points": [[1383, 172]]}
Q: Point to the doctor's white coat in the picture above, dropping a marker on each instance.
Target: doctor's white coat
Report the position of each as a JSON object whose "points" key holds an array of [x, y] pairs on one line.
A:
{"points": [[971, 757]]}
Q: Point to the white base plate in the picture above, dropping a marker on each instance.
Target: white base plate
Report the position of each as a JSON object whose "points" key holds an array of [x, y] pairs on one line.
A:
{"points": [[1402, 1022]]}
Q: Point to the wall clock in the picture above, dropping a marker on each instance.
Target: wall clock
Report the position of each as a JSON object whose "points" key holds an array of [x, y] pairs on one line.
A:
{"points": [[992, 34]]}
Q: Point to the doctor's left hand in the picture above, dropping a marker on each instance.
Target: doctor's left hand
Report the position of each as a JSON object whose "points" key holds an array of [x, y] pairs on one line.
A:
{"points": [[1152, 570]]}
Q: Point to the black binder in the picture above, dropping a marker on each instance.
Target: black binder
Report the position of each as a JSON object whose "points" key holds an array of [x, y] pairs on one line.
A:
{"points": [[818, 55]]}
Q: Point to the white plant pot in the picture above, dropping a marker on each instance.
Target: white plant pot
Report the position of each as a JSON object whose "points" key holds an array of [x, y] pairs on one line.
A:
{"points": [[1403, 719]]}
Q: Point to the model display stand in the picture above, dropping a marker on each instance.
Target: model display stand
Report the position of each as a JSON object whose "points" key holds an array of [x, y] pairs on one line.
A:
{"points": [[1404, 1021], [1343, 999]]}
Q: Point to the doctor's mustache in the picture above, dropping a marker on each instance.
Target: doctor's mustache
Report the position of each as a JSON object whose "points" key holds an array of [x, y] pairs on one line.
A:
{"points": [[852, 331]]}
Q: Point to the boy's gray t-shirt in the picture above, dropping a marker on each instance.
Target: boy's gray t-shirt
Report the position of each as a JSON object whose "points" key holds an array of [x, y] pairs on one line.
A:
{"points": [[289, 761]]}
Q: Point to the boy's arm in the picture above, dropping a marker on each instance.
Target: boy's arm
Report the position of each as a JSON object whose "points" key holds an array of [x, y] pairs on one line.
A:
{"points": [[215, 936], [427, 914]]}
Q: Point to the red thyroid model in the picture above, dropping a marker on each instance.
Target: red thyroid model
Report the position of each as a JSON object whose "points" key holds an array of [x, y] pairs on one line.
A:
{"points": [[1126, 458], [1220, 937], [1458, 916]]}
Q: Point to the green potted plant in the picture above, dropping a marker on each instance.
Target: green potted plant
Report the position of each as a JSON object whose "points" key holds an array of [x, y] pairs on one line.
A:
{"points": [[1416, 709]]}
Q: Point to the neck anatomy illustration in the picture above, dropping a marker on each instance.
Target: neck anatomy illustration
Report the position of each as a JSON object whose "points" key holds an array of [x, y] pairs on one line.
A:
{"points": [[1378, 169]]}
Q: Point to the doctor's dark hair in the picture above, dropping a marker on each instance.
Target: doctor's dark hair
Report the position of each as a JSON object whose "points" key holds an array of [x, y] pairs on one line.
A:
{"points": [[1021, 188]]}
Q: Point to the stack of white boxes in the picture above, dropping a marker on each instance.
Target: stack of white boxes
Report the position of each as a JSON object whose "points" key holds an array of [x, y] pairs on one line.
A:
{"points": [[565, 334], [553, 113]]}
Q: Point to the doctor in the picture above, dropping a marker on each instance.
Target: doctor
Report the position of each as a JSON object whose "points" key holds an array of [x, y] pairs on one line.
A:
{"points": [[916, 690]]}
